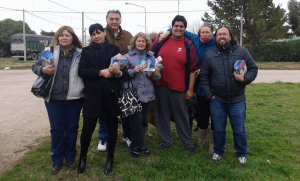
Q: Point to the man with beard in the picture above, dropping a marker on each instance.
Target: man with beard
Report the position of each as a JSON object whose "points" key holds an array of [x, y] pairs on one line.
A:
{"points": [[226, 91]]}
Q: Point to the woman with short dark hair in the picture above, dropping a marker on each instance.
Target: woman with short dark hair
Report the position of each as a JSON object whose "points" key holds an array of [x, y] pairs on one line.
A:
{"points": [[102, 87]]}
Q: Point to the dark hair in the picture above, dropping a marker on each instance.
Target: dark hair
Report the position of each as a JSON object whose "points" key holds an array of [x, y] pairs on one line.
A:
{"points": [[208, 26], [113, 11], [233, 40], [76, 42], [96, 27], [179, 18]]}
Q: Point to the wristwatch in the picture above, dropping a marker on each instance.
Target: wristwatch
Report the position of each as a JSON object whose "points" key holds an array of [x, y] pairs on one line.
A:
{"points": [[120, 75]]}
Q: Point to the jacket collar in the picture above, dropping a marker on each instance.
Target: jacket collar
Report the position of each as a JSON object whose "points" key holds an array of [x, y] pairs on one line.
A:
{"points": [[148, 53], [111, 33]]}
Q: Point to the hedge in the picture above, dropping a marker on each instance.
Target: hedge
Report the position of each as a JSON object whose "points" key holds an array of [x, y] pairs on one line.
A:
{"points": [[288, 51]]}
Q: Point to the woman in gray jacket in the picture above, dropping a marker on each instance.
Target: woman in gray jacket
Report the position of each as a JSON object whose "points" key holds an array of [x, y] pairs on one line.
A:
{"points": [[65, 99], [143, 83]]}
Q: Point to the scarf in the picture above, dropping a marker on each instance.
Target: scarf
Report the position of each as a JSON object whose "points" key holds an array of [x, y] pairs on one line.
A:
{"points": [[100, 51], [204, 39], [224, 48], [140, 52], [64, 53]]}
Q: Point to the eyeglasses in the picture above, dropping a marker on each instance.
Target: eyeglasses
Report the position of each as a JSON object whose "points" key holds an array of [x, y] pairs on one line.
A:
{"points": [[222, 34]]}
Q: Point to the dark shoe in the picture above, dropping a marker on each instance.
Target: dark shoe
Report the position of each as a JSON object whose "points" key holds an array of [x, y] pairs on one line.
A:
{"points": [[134, 154], [55, 169], [108, 166], [145, 151], [162, 147], [71, 165], [81, 165], [192, 150]]}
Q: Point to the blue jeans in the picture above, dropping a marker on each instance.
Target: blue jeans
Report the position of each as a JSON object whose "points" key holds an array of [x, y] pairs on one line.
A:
{"points": [[64, 119], [237, 115], [103, 130]]}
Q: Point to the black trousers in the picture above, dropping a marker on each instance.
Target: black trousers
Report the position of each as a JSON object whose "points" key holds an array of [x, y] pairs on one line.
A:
{"points": [[204, 113], [88, 129]]}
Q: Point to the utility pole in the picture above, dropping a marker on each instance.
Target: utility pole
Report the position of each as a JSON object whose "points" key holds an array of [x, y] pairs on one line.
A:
{"points": [[178, 7], [82, 26], [241, 34], [24, 40]]}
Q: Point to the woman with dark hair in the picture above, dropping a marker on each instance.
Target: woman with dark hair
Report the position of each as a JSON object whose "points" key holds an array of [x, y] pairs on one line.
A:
{"points": [[65, 98], [101, 90], [204, 42], [143, 83]]}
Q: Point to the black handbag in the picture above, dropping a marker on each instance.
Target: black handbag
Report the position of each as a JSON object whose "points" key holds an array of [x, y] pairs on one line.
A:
{"points": [[41, 86], [129, 102]]}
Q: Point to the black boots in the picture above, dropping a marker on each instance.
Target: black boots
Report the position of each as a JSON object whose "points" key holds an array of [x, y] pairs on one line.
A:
{"points": [[108, 166], [56, 169], [81, 164]]}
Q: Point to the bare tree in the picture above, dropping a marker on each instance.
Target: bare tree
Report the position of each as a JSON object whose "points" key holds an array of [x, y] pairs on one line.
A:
{"points": [[194, 26]]}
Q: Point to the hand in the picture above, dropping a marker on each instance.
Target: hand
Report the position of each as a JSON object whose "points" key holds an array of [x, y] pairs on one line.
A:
{"points": [[156, 72], [163, 36], [137, 69], [105, 73], [49, 69], [239, 77], [213, 97], [197, 72], [114, 69], [158, 34], [189, 94]]}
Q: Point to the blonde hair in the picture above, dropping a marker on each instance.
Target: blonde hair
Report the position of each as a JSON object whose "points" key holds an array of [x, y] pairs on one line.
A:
{"points": [[76, 42], [143, 35]]}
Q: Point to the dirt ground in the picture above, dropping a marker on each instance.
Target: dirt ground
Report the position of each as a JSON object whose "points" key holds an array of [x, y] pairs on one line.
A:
{"points": [[24, 121]]}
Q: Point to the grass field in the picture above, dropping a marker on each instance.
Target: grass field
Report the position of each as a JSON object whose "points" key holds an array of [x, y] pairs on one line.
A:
{"points": [[14, 63], [272, 128]]}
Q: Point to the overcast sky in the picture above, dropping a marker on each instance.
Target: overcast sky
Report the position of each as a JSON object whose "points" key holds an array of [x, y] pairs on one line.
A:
{"points": [[133, 17]]}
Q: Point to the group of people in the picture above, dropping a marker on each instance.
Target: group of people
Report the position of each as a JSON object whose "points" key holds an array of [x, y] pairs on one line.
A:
{"points": [[84, 79]]}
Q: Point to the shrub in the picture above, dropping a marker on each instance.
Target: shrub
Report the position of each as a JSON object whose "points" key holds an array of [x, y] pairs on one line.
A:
{"points": [[277, 52]]}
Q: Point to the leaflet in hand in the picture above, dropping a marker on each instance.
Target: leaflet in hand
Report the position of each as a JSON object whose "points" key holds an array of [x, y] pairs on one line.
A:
{"points": [[147, 64], [46, 58], [119, 59], [158, 63], [239, 66]]}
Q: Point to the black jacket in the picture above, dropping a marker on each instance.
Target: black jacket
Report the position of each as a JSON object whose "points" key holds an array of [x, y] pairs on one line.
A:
{"points": [[217, 74], [94, 91]]}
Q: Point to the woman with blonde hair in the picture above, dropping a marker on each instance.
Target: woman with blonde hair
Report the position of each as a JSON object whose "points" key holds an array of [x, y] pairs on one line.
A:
{"points": [[143, 83], [65, 98]]}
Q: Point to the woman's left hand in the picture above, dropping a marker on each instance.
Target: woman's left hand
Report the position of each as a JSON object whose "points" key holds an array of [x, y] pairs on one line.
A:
{"points": [[156, 72], [114, 69]]}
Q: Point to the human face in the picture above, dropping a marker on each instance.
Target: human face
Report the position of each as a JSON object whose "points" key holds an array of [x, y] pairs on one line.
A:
{"points": [[140, 43], [178, 30], [206, 33], [65, 39], [98, 36], [223, 36], [114, 21]]}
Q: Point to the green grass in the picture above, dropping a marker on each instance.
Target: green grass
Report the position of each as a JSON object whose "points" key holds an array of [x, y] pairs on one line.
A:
{"points": [[14, 63], [272, 128]]}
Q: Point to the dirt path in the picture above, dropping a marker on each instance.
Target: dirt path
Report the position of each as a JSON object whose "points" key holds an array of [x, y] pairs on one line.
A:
{"points": [[23, 118]]}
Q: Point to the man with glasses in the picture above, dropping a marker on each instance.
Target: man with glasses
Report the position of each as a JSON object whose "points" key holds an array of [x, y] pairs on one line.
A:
{"points": [[226, 91], [121, 38], [176, 86]]}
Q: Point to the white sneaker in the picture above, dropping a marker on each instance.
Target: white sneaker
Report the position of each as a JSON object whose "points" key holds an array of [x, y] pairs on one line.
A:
{"points": [[216, 158], [127, 141], [242, 161], [101, 146]]}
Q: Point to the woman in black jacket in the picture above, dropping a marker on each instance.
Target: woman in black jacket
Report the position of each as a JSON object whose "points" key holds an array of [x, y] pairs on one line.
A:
{"points": [[101, 90]]}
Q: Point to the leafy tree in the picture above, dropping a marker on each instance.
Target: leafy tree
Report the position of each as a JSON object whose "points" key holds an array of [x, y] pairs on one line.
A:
{"points": [[294, 16], [9, 27], [47, 33], [262, 21]]}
